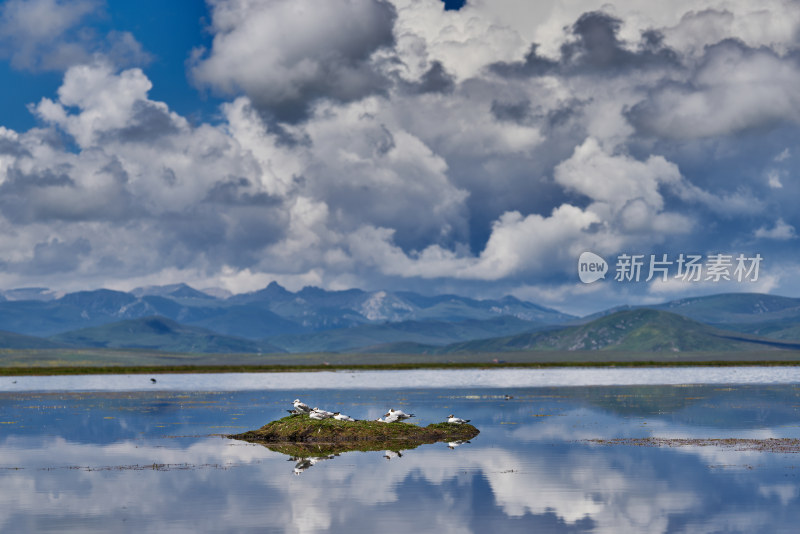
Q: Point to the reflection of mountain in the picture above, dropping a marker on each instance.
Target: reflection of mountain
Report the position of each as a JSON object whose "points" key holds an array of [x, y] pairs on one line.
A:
{"points": [[533, 476], [739, 407]]}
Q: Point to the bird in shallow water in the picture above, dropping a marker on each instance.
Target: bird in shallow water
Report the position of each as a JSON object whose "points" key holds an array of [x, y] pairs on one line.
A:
{"points": [[153, 380], [456, 420]]}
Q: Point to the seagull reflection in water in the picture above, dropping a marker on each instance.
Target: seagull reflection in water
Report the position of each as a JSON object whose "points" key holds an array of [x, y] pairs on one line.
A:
{"points": [[303, 463]]}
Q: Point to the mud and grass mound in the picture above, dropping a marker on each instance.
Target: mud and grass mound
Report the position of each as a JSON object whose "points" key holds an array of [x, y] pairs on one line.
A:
{"points": [[297, 434]]}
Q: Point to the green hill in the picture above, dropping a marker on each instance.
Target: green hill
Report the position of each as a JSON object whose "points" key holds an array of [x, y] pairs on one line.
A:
{"points": [[639, 330], [402, 334], [736, 308], [10, 340], [159, 333]]}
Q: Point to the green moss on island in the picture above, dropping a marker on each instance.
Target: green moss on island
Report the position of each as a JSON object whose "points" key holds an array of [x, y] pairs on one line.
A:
{"points": [[299, 435]]}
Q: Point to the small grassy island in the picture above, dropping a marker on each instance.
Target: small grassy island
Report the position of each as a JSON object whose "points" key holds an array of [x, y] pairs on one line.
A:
{"points": [[299, 435]]}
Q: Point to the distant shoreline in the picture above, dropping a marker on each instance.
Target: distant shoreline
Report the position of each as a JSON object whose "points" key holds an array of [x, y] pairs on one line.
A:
{"points": [[187, 369]]}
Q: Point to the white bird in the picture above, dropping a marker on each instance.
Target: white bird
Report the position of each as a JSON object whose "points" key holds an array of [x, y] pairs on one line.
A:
{"points": [[392, 454], [396, 415], [301, 407], [342, 417], [318, 414], [456, 420], [456, 443]]}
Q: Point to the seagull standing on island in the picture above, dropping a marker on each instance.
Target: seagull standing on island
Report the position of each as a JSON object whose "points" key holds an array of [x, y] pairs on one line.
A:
{"points": [[456, 420], [342, 417], [301, 407]]}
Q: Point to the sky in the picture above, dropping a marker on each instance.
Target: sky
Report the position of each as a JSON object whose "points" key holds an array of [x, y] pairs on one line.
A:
{"points": [[476, 148]]}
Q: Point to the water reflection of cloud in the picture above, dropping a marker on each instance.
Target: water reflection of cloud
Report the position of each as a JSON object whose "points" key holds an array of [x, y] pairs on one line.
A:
{"points": [[536, 475], [576, 488], [785, 493]]}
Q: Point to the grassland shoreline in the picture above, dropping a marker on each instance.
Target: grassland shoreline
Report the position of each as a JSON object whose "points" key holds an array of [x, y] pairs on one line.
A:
{"points": [[118, 369]]}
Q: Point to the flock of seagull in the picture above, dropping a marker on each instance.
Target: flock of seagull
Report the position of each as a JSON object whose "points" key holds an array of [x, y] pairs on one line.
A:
{"points": [[392, 416]]}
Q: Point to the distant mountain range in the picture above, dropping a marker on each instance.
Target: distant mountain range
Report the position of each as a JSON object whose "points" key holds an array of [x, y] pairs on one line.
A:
{"points": [[183, 319]]}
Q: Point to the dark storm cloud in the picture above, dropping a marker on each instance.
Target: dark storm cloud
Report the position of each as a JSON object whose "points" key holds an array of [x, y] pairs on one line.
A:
{"points": [[56, 256], [595, 48], [511, 111], [115, 169], [597, 44], [562, 115], [383, 142], [340, 79], [47, 195], [19, 195], [233, 193], [435, 80], [10, 147], [734, 88], [315, 51], [233, 236], [149, 123], [533, 65]]}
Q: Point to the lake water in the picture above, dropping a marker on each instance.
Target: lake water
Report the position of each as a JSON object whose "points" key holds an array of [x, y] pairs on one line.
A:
{"points": [[125, 454]]}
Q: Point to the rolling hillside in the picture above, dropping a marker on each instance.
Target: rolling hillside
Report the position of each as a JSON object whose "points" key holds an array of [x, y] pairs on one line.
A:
{"points": [[10, 340], [640, 330], [159, 333], [424, 333], [736, 308]]}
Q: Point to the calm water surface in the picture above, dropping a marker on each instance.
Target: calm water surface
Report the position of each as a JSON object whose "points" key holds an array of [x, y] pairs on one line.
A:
{"points": [[153, 459]]}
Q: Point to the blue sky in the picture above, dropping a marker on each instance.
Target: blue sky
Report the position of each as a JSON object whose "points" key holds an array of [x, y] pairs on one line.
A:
{"points": [[396, 144], [167, 32]]}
